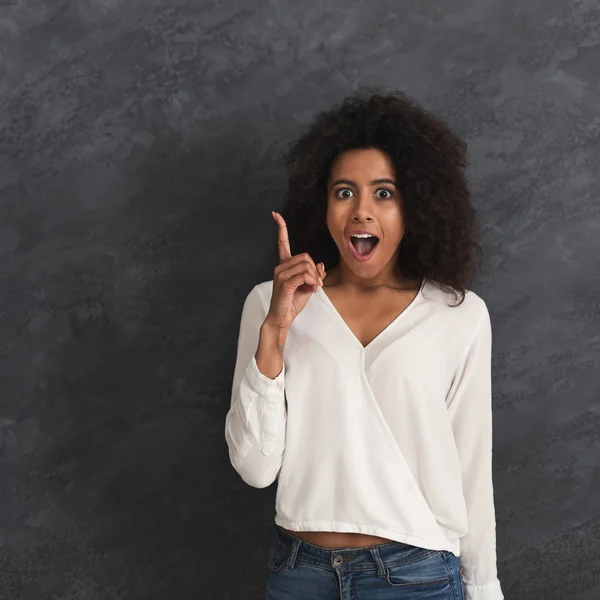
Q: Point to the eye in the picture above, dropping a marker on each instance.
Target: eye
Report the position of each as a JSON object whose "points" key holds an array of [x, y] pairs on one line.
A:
{"points": [[337, 193], [388, 192]]}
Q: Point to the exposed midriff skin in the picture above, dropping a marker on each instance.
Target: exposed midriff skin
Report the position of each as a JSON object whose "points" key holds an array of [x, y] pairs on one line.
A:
{"points": [[333, 539]]}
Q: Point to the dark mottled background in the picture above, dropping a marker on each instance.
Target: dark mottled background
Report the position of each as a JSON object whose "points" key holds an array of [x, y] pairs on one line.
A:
{"points": [[139, 148]]}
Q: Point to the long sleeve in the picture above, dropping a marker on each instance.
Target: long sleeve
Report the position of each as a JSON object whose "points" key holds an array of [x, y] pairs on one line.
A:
{"points": [[256, 422], [470, 411]]}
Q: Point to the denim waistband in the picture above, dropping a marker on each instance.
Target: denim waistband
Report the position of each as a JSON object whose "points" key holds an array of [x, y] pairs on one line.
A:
{"points": [[349, 559]]}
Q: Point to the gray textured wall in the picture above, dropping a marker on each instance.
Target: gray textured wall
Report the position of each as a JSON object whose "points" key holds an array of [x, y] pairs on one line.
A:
{"points": [[139, 147]]}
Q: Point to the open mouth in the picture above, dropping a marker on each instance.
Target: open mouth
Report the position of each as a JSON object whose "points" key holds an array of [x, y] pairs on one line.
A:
{"points": [[363, 245]]}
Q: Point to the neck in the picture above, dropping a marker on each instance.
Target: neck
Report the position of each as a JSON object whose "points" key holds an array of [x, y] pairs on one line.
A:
{"points": [[343, 276]]}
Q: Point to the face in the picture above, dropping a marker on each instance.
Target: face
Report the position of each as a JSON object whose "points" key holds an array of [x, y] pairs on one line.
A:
{"points": [[361, 194]]}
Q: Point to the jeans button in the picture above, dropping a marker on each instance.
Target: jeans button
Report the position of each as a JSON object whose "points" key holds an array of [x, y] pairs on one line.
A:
{"points": [[338, 560]]}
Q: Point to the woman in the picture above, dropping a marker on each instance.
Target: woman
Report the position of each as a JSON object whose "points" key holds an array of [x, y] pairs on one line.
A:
{"points": [[357, 384]]}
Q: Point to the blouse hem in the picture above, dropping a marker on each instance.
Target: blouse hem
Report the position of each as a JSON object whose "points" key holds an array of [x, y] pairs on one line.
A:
{"points": [[350, 527]]}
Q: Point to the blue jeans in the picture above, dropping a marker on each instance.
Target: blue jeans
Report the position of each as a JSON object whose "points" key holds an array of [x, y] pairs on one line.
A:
{"points": [[298, 570]]}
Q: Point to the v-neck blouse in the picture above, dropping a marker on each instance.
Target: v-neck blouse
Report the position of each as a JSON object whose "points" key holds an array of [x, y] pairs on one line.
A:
{"points": [[391, 439], [322, 295]]}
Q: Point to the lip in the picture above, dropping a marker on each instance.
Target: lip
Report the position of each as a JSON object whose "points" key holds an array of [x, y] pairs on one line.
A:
{"points": [[357, 256], [362, 231]]}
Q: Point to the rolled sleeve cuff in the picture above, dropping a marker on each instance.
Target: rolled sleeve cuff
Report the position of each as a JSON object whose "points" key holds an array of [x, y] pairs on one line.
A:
{"points": [[272, 393], [490, 591], [262, 384]]}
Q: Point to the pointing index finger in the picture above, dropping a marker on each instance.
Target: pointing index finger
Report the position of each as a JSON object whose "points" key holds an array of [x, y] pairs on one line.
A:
{"points": [[283, 241]]}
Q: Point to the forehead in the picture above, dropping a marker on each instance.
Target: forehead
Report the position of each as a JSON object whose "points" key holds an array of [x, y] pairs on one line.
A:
{"points": [[368, 163]]}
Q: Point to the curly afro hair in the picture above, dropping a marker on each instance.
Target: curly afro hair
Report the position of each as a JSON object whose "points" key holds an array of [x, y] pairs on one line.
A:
{"points": [[441, 230]]}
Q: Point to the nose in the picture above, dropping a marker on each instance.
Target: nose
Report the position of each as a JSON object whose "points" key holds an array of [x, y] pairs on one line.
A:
{"points": [[362, 210], [358, 219]]}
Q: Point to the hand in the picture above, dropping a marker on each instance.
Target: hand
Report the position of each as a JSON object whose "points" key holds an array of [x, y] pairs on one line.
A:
{"points": [[295, 280]]}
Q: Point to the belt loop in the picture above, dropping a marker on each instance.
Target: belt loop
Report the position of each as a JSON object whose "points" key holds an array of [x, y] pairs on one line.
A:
{"points": [[292, 557], [377, 558]]}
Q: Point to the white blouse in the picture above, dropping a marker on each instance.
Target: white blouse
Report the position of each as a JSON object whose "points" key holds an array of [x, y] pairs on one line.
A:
{"points": [[392, 439]]}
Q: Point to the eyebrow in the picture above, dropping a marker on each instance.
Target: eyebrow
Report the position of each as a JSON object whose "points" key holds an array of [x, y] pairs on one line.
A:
{"points": [[374, 182]]}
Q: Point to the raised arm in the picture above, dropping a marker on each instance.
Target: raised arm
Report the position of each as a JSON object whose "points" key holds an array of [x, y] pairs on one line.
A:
{"points": [[255, 423]]}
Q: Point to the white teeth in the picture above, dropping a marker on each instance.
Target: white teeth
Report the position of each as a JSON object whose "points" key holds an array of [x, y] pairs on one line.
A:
{"points": [[362, 235]]}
